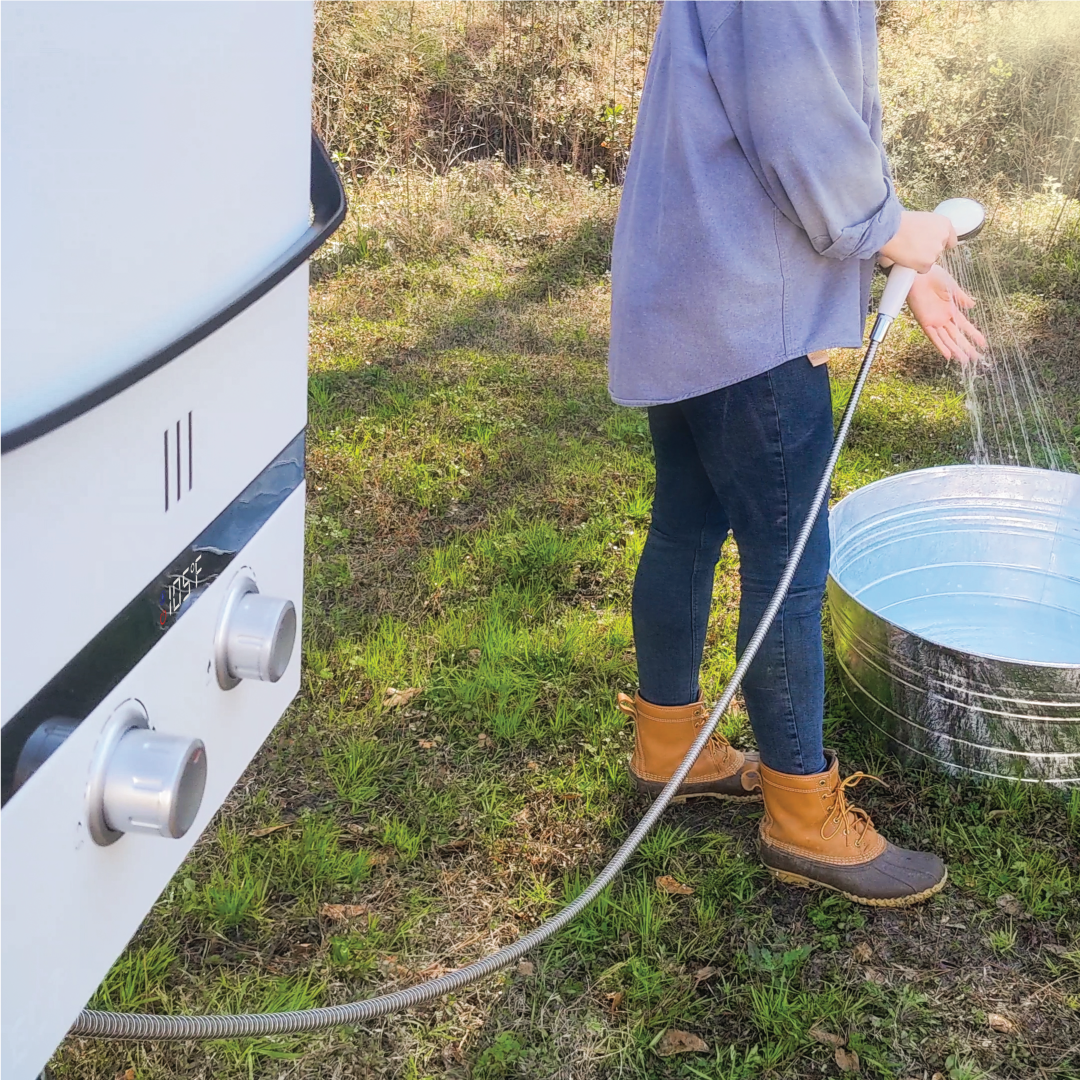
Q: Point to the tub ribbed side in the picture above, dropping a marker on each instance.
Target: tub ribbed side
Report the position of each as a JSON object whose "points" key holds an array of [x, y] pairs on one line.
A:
{"points": [[965, 713]]}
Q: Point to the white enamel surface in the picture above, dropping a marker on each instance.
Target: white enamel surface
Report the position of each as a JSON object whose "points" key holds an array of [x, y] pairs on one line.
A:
{"points": [[156, 158]]}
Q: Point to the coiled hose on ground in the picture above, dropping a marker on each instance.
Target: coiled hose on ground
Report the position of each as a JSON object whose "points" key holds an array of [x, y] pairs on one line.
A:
{"points": [[147, 1028]]}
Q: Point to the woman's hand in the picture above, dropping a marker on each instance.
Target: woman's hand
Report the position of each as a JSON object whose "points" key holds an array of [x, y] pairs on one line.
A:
{"points": [[938, 304], [921, 238]]}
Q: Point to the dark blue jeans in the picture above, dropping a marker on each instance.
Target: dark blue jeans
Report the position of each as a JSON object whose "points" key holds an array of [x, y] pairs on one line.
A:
{"points": [[746, 458]]}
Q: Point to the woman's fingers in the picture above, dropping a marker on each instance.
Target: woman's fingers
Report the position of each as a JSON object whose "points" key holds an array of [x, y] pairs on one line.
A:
{"points": [[963, 348], [970, 329], [956, 347], [955, 342], [934, 334], [964, 299]]}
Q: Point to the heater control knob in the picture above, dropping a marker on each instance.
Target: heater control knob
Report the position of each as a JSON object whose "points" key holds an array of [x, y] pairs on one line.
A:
{"points": [[144, 781], [255, 636]]}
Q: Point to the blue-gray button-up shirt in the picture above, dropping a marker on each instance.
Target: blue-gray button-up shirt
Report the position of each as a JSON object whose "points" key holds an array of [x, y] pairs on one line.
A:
{"points": [[756, 196]]}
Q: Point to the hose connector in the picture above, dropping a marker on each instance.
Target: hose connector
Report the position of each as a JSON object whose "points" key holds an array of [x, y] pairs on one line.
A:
{"points": [[881, 327]]}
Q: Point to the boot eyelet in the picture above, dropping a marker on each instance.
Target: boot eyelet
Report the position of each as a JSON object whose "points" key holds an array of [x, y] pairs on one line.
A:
{"points": [[858, 843]]}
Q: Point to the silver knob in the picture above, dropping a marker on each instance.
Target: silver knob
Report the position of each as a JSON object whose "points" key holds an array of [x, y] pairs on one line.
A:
{"points": [[255, 637], [38, 748], [143, 780], [154, 783]]}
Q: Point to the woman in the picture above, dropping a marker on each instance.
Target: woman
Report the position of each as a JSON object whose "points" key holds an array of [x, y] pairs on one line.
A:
{"points": [[757, 201]]}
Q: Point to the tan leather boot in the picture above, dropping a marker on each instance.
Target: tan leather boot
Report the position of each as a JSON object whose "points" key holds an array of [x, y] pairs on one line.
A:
{"points": [[664, 734], [809, 835]]}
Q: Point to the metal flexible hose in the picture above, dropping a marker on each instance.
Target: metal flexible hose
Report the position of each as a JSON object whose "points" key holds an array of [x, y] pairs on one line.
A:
{"points": [[141, 1027]]}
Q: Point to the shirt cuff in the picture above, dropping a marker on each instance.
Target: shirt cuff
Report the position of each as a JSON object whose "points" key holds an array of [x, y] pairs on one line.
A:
{"points": [[865, 240]]}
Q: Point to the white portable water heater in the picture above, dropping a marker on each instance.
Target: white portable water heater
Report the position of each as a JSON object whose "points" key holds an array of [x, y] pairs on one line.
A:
{"points": [[162, 192]]}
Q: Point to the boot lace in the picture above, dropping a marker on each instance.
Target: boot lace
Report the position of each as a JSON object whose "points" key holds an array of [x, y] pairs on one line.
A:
{"points": [[843, 816], [716, 742]]}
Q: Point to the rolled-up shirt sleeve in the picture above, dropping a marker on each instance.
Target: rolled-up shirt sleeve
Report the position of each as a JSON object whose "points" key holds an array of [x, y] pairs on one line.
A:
{"points": [[791, 79]]}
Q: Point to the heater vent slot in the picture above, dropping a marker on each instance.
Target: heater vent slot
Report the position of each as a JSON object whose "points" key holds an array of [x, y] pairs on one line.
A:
{"points": [[179, 448]]}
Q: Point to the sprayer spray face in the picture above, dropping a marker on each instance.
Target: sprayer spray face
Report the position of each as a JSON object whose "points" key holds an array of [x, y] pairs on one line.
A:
{"points": [[967, 216]]}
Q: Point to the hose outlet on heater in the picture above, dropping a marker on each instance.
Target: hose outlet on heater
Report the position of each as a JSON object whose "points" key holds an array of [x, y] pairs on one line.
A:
{"points": [[143, 781], [255, 636]]}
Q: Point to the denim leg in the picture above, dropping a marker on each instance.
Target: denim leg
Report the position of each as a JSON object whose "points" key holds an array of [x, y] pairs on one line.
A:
{"points": [[674, 581], [764, 443]]}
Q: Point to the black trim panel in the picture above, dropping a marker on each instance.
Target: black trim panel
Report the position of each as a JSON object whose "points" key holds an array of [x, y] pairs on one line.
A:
{"points": [[328, 206], [83, 683]]}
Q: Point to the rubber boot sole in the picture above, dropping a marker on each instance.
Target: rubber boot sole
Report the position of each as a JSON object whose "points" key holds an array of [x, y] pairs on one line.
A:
{"points": [[654, 787], [802, 882]]}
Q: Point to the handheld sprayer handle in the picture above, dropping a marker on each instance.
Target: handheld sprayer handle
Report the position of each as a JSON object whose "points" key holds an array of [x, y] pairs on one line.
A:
{"points": [[901, 278]]}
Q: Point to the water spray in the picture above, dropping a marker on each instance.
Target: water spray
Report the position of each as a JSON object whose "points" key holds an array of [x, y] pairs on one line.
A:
{"points": [[967, 217]]}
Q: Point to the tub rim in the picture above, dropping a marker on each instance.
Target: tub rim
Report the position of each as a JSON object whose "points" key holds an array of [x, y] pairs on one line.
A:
{"points": [[885, 481]]}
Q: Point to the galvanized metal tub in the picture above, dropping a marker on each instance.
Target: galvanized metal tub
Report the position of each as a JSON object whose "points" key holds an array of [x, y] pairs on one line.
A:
{"points": [[955, 601]]}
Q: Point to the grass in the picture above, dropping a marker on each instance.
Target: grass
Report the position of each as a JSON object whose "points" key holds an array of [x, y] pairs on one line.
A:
{"points": [[476, 508]]}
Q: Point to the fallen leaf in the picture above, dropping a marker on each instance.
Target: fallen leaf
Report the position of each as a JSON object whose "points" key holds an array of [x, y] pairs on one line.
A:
{"points": [[126, 1074], [395, 697], [938, 1076], [526, 967], [339, 912], [669, 885], [474, 655], [1011, 906], [827, 1037], [615, 1001], [848, 1060], [483, 738], [568, 795], [674, 1041], [426, 744], [911, 974], [533, 765], [704, 973], [269, 829], [1000, 1023], [862, 952]]}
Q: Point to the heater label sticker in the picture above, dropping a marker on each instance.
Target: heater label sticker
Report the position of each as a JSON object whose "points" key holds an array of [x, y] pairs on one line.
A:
{"points": [[179, 589]]}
